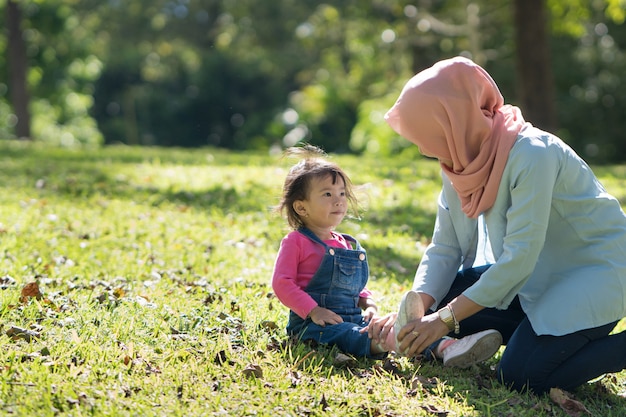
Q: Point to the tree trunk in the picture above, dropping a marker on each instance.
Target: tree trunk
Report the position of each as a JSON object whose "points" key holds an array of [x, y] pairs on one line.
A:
{"points": [[18, 67], [534, 68]]}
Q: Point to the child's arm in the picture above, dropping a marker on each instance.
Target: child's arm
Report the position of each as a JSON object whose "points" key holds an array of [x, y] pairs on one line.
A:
{"points": [[289, 291]]}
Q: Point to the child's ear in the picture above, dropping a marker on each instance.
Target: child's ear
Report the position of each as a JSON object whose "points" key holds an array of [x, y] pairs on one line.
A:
{"points": [[299, 208]]}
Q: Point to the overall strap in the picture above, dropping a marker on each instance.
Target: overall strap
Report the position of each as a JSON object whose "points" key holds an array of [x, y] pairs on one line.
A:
{"points": [[308, 233], [355, 243]]}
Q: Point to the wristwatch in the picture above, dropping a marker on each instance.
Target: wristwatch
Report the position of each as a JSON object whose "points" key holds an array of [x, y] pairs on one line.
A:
{"points": [[446, 315]]}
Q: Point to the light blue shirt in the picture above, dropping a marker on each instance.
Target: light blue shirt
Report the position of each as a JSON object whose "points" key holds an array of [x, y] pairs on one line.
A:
{"points": [[557, 237]]}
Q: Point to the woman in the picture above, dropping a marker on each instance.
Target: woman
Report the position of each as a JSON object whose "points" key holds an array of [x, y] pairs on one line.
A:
{"points": [[557, 286]]}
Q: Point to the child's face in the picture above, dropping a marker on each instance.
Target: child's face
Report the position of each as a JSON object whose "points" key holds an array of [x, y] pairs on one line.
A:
{"points": [[326, 204]]}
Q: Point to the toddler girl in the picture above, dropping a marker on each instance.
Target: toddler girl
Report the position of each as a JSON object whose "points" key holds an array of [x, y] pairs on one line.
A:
{"points": [[321, 275]]}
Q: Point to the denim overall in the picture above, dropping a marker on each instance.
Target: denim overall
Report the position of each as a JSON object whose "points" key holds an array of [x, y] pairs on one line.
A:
{"points": [[336, 285]]}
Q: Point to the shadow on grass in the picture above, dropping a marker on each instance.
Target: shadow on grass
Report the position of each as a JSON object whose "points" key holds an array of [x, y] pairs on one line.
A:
{"points": [[71, 176], [70, 179], [122, 154], [477, 386], [81, 176]]}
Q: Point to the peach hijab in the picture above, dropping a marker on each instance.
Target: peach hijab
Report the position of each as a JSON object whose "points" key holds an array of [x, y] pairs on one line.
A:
{"points": [[454, 111]]}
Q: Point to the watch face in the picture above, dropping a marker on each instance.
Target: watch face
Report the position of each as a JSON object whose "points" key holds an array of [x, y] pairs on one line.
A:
{"points": [[445, 314]]}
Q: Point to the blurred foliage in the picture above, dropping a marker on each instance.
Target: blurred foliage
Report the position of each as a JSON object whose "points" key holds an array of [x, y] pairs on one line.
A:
{"points": [[63, 67], [251, 74]]}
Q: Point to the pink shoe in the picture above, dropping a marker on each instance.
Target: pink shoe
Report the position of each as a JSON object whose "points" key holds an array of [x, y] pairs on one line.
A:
{"points": [[472, 349]]}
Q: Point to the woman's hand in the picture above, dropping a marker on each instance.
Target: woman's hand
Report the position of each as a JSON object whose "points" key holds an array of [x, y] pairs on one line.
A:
{"points": [[417, 335], [379, 327]]}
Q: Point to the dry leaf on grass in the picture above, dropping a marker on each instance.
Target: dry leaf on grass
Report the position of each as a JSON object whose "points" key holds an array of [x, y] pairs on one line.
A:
{"points": [[344, 361], [431, 409], [324, 403], [565, 400], [422, 381], [16, 333], [253, 371], [269, 325], [30, 290], [391, 366], [295, 378]]}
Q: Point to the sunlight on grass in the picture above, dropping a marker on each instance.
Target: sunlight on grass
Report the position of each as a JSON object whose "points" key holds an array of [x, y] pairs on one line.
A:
{"points": [[154, 268]]}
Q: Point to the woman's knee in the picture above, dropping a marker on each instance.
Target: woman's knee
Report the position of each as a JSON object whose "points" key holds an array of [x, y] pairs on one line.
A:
{"points": [[521, 376], [511, 374]]}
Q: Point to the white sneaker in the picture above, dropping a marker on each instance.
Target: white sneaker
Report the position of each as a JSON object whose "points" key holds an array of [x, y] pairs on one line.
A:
{"points": [[411, 308], [472, 349]]}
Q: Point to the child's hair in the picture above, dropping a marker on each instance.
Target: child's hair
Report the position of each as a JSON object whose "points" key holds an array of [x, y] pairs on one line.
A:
{"points": [[298, 180]]}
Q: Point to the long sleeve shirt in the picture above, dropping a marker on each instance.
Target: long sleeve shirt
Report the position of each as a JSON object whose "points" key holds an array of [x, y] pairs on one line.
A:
{"points": [[297, 261], [557, 237]]}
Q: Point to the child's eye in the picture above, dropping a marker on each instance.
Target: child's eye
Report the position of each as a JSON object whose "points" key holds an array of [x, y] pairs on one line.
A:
{"points": [[327, 194]]}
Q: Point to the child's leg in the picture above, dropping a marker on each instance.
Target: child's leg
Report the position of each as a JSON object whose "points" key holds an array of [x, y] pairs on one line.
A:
{"points": [[346, 336], [458, 353], [387, 345]]}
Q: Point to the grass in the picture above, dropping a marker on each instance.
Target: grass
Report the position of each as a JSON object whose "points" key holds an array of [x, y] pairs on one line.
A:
{"points": [[154, 269]]}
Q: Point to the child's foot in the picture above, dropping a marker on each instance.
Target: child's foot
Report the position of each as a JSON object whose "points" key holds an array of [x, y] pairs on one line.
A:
{"points": [[411, 308], [469, 350]]}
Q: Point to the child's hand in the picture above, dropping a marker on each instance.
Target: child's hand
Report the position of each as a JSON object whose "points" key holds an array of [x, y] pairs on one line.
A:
{"points": [[369, 313], [369, 309], [323, 316]]}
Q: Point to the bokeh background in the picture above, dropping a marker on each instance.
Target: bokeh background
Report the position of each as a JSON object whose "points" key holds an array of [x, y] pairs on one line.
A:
{"points": [[259, 74]]}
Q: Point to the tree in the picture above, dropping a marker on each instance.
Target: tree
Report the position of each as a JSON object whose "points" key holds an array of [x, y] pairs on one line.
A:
{"points": [[51, 72], [250, 74], [18, 66], [535, 83]]}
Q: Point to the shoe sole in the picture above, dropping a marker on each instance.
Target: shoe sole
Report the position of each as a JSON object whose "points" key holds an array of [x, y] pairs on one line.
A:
{"points": [[411, 302], [482, 350]]}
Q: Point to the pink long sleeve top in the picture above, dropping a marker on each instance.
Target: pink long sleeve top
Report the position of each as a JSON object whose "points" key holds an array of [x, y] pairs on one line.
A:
{"points": [[297, 261]]}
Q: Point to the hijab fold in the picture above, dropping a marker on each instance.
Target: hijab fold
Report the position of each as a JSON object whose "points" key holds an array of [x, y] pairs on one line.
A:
{"points": [[454, 111]]}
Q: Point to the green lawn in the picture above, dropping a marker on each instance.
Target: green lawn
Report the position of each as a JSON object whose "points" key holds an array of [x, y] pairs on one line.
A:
{"points": [[154, 268]]}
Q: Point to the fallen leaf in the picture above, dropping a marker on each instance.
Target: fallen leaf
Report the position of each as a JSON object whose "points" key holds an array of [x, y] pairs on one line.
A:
{"points": [[343, 360], [431, 409], [6, 282], [269, 325], [253, 371], [119, 292], [16, 333], [30, 290], [295, 378], [422, 381], [323, 403], [391, 366], [220, 358], [565, 400]]}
